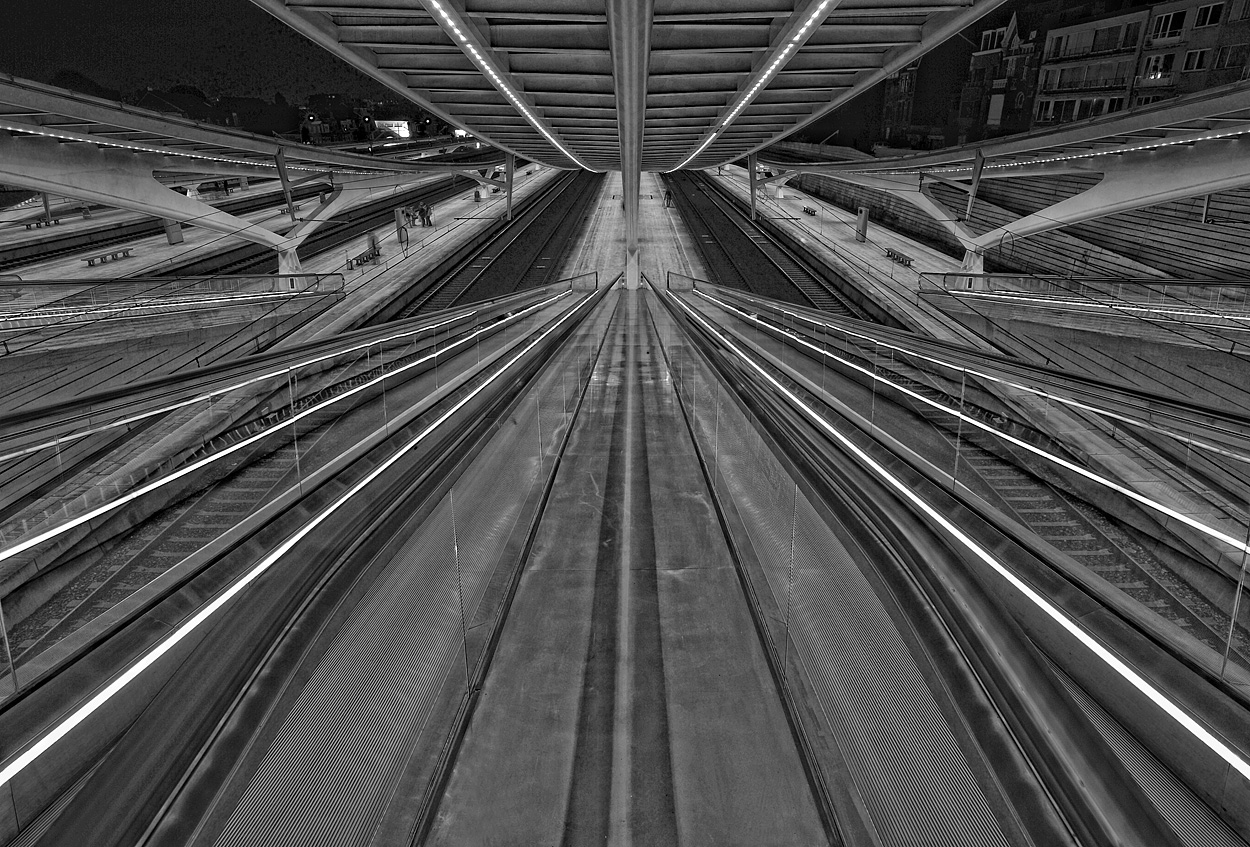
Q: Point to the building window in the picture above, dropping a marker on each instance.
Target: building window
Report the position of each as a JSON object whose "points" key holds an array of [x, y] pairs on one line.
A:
{"points": [[1231, 56], [1115, 104], [1196, 60], [1157, 66], [1107, 38], [1209, 15], [1169, 25], [993, 38]]}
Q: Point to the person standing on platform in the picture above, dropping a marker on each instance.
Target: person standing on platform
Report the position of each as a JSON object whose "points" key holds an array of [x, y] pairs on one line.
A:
{"points": [[429, 215], [668, 197]]}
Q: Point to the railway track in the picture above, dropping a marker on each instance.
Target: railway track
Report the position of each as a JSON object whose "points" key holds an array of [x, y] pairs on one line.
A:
{"points": [[312, 590], [526, 254], [223, 498], [70, 244], [1090, 698], [1036, 496], [766, 268], [258, 259], [25, 489]]}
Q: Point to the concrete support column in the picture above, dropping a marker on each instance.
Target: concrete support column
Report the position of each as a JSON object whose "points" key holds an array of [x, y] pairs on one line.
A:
{"points": [[47, 207], [509, 170], [861, 224], [243, 183], [753, 178], [286, 182], [117, 179], [976, 184], [629, 30], [289, 263], [173, 231], [401, 227]]}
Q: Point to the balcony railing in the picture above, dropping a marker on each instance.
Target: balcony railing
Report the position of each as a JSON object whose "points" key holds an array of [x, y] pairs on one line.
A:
{"points": [[1082, 52], [1156, 81], [1088, 84], [1165, 39]]}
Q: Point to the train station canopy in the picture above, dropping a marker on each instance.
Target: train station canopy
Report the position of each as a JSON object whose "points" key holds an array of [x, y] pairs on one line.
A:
{"points": [[629, 85]]}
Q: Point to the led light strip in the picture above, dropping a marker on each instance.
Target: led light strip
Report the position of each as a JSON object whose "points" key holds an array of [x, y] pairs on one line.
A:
{"points": [[109, 311], [200, 398], [1128, 148], [105, 508], [793, 42], [1167, 511], [484, 64], [86, 138], [963, 369], [85, 711], [1127, 306], [1230, 756]]}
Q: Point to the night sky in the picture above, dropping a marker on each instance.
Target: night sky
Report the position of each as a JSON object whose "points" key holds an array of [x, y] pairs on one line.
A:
{"points": [[220, 46], [233, 47]]}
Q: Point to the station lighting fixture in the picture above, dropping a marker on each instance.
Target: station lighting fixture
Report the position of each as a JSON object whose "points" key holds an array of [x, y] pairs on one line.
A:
{"points": [[469, 43], [791, 41], [137, 147], [1138, 147]]}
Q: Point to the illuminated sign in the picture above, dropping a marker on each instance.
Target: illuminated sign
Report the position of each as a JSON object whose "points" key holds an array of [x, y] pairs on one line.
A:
{"points": [[397, 128]]}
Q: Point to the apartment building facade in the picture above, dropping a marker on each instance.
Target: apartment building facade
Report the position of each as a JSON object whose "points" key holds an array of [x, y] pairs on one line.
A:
{"points": [[1104, 65], [1088, 68]]}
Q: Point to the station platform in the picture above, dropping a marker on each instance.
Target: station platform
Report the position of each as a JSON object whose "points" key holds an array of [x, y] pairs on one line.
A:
{"points": [[664, 243], [830, 236]]}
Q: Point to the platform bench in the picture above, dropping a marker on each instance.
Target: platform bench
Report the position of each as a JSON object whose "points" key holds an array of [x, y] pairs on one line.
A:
{"points": [[119, 253], [364, 258], [902, 258], [808, 210]]}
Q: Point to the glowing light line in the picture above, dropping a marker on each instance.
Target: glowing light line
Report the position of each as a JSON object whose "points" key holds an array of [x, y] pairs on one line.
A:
{"points": [[1156, 696], [1167, 511], [105, 508], [173, 639]]}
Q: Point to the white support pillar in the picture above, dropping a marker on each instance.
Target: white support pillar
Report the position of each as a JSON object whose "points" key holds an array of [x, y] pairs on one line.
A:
{"points": [[280, 158], [1137, 179], [116, 178], [47, 207], [753, 178], [976, 184], [173, 231], [509, 173], [629, 31]]}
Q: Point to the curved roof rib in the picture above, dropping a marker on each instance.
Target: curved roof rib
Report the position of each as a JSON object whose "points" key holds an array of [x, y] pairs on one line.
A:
{"points": [[724, 77]]}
